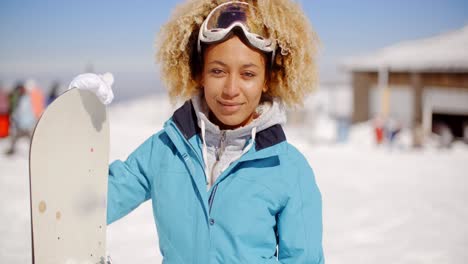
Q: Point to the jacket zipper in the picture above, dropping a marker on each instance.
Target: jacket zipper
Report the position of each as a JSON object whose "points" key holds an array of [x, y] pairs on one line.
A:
{"points": [[221, 145], [218, 153], [211, 198]]}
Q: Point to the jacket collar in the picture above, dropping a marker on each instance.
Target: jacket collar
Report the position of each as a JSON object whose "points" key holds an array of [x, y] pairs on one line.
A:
{"points": [[185, 119]]}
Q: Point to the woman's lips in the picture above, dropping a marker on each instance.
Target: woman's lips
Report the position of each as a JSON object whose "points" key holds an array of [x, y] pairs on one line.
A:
{"points": [[229, 107]]}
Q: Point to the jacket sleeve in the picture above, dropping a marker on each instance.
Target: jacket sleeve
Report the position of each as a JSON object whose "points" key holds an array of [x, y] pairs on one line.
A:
{"points": [[299, 224], [129, 182]]}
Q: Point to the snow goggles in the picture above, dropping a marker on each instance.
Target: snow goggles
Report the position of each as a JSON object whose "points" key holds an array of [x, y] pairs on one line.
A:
{"points": [[228, 16]]}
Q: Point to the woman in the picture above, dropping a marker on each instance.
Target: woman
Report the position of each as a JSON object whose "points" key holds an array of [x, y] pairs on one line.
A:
{"points": [[226, 186]]}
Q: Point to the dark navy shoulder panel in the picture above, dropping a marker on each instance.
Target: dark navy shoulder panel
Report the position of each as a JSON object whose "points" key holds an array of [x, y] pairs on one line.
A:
{"points": [[186, 120], [269, 137]]}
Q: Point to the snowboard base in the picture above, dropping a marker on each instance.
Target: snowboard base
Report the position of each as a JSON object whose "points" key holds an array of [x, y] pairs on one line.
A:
{"points": [[68, 165]]}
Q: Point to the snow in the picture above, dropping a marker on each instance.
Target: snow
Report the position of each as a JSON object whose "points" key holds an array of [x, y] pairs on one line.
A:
{"points": [[380, 204], [444, 52]]}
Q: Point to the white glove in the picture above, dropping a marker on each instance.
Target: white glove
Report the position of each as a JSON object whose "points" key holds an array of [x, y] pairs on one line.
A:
{"points": [[100, 84]]}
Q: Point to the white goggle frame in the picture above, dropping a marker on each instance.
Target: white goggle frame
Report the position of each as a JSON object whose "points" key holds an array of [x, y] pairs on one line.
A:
{"points": [[213, 35]]}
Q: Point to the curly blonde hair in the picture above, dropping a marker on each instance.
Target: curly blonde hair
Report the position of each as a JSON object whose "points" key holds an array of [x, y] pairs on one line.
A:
{"points": [[293, 74]]}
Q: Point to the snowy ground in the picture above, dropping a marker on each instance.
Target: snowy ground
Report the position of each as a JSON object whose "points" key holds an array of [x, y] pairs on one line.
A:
{"points": [[380, 205]]}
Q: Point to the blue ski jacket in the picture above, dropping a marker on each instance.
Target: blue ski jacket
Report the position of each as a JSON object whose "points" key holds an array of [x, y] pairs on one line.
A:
{"points": [[264, 208]]}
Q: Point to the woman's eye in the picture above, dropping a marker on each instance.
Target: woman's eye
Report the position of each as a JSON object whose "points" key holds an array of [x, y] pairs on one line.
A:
{"points": [[216, 71], [249, 74]]}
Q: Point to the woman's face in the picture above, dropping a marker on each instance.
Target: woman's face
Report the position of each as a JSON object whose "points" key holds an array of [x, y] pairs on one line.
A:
{"points": [[233, 79]]}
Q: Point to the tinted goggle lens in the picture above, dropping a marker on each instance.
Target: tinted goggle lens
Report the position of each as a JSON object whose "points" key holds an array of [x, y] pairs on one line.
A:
{"points": [[224, 16]]}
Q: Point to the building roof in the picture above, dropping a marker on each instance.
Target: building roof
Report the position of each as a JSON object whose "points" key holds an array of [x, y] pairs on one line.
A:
{"points": [[447, 52]]}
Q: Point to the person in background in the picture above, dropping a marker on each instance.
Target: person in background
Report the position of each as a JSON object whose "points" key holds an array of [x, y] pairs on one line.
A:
{"points": [[392, 129], [379, 131], [4, 113], [25, 112], [14, 95], [445, 135], [37, 98], [53, 92], [226, 185]]}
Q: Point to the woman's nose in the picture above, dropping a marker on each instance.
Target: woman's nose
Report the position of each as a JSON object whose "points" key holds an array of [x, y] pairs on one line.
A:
{"points": [[231, 87]]}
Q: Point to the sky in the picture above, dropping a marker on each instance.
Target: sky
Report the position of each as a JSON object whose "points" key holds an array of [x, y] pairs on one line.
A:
{"points": [[58, 39]]}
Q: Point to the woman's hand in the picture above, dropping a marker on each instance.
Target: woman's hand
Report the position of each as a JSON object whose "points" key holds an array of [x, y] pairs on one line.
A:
{"points": [[100, 84]]}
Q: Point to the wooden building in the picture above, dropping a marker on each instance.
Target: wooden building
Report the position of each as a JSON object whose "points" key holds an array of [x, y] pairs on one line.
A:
{"points": [[431, 74]]}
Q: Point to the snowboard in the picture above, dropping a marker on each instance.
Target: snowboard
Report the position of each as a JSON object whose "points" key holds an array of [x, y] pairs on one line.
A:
{"points": [[68, 170]]}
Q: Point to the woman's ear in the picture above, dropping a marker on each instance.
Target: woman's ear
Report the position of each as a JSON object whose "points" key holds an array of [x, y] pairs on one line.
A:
{"points": [[265, 87]]}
